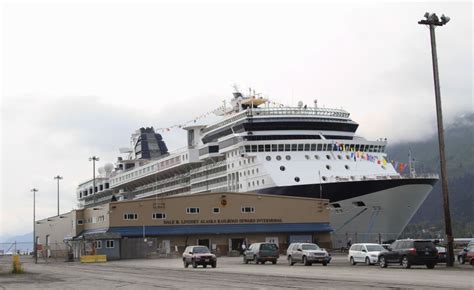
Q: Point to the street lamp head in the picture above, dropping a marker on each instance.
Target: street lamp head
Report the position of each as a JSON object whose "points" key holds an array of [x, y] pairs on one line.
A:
{"points": [[94, 158], [445, 19], [34, 190], [58, 177]]}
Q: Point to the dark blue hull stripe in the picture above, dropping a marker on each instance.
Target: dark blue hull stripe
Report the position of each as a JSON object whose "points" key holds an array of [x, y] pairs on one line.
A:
{"points": [[222, 229], [343, 190]]}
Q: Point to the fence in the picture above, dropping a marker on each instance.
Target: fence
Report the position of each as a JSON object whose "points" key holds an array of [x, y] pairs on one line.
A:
{"points": [[44, 252]]}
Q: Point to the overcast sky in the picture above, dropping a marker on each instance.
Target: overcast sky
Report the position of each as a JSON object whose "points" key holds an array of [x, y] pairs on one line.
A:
{"points": [[78, 79]]}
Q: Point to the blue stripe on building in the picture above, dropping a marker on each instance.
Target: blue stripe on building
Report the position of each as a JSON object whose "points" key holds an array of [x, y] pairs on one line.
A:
{"points": [[222, 229]]}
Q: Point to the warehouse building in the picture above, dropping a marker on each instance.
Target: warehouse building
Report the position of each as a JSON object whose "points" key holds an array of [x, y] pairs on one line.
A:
{"points": [[164, 226]]}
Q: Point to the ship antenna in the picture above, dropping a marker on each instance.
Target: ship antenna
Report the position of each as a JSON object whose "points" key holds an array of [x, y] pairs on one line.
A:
{"points": [[411, 165]]}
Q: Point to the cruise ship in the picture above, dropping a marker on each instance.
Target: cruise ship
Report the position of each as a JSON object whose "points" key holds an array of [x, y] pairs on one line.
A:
{"points": [[259, 147]]}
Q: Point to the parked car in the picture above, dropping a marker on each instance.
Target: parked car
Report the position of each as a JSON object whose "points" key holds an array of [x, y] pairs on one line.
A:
{"points": [[364, 253], [442, 256], [198, 255], [408, 253], [463, 253], [470, 256], [261, 253], [307, 254]]}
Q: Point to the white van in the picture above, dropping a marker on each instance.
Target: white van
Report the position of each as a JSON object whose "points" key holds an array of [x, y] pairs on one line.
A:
{"points": [[364, 253]]}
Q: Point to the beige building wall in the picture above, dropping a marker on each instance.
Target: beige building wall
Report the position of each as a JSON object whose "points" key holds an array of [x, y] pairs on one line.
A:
{"points": [[50, 233], [267, 209]]}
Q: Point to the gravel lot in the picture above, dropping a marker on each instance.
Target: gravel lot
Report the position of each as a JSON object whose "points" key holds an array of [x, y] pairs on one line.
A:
{"points": [[230, 273]]}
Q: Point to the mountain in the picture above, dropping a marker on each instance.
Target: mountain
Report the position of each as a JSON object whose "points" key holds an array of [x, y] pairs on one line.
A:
{"points": [[429, 219]]}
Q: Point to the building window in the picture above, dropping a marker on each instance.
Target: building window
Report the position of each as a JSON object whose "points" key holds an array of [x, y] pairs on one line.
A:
{"points": [[192, 210], [80, 222], [110, 244], [247, 209], [98, 244], [130, 216], [159, 215], [216, 210]]}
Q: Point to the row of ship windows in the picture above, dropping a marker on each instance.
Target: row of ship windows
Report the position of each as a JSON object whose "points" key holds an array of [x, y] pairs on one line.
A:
{"points": [[308, 157], [189, 210], [314, 147], [250, 160]]}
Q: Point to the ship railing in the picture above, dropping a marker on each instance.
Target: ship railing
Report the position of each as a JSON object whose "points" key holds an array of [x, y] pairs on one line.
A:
{"points": [[160, 191], [208, 166], [210, 176], [209, 187], [164, 181], [323, 112]]}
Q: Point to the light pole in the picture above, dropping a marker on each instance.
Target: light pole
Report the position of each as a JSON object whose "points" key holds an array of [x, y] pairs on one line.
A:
{"points": [[58, 177], [432, 21], [93, 159], [34, 190]]}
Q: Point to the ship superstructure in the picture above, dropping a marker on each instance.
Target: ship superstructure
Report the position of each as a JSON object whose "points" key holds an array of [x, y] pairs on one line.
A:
{"points": [[298, 151]]}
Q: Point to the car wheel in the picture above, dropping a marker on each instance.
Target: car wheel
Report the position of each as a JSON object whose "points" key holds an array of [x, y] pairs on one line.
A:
{"points": [[194, 264], [382, 262], [290, 261], [367, 261], [245, 260], [461, 260], [325, 263], [214, 264], [305, 261], [255, 260], [274, 262], [405, 263], [430, 266], [352, 261], [185, 264]]}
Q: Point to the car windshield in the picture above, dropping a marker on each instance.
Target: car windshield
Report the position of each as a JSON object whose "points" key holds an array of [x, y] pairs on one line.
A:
{"points": [[310, 247], [268, 247], [374, 248], [200, 250]]}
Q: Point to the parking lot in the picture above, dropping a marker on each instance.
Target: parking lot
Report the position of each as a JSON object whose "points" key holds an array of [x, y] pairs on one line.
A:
{"points": [[230, 273]]}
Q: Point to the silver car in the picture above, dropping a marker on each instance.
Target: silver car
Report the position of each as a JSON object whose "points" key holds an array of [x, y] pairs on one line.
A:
{"points": [[307, 254]]}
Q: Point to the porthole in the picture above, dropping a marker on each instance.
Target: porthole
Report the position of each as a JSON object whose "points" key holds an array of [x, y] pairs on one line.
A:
{"points": [[288, 157], [278, 157], [282, 168], [328, 157], [256, 170], [353, 178], [339, 157], [263, 181], [297, 179], [268, 158], [307, 157], [324, 178], [316, 157], [258, 182], [328, 167], [347, 167], [348, 157], [383, 167]]}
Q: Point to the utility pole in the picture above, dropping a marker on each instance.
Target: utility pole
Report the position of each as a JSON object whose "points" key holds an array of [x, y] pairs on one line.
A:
{"points": [[58, 178], [34, 190], [93, 159], [432, 21]]}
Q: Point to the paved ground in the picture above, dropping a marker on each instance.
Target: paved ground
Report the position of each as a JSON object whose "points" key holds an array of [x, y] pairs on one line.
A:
{"points": [[230, 273]]}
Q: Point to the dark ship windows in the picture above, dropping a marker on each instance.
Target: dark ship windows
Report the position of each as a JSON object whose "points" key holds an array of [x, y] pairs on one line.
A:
{"points": [[268, 158], [282, 168], [348, 157], [328, 167], [358, 203], [297, 179], [316, 157], [339, 157], [324, 178], [288, 157], [307, 157], [328, 157], [347, 167], [383, 167], [278, 157]]}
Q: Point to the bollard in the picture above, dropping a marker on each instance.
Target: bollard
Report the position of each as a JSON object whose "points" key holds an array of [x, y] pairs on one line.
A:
{"points": [[16, 265]]}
